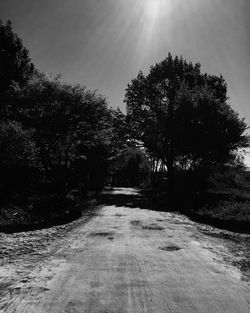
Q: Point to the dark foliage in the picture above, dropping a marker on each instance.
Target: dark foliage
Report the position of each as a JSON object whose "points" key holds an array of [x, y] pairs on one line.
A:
{"points": [[59, 142], [56, 139], [183, 119], [15, 68], [130, 168]]}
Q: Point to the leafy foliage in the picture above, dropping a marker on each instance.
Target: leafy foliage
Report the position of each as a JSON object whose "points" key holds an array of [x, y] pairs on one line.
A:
{"points": [[182, 116], [54, 137], [15, 67], [18, 154], [69, 123], [130, 168], [58, 139]]}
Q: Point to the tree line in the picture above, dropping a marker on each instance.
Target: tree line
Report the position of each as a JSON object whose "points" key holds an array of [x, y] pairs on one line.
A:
{"points": [[56, 137]]}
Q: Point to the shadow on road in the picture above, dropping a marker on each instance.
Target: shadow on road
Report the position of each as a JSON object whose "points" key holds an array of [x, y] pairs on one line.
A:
{"points": [[120, 197], [136, 199]]}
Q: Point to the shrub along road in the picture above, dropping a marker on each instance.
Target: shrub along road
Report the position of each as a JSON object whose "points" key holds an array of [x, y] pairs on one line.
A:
{"points": [[126, 258]]}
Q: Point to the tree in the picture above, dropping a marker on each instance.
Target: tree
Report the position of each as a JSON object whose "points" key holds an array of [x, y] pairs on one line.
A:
{"points": [[130, 168], [209, 132], [123, 133], [15, 67], [18, 155], [71, 125], [182, 116]]}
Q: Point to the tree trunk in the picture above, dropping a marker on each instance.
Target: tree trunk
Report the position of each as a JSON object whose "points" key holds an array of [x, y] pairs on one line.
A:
{"points": [[171, 153], [171, 178]]}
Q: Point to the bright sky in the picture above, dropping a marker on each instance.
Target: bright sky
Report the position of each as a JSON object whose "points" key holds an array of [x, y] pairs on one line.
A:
{"points": [[104, 43]]}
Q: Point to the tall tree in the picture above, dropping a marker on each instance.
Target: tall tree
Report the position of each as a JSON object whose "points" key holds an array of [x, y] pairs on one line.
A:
{"points": [[72, 126], [15, 67], [182, 115]]}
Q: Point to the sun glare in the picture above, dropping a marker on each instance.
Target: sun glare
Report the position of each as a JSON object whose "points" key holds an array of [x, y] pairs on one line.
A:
{"points": [[152, 8], [150, 16]]}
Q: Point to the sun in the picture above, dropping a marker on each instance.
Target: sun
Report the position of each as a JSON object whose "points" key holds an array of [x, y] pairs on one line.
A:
{"points": [[153, 8]]}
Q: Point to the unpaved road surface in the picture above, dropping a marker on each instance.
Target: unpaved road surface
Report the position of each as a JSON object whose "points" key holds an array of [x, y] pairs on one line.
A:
{"points": [[125, 258]]}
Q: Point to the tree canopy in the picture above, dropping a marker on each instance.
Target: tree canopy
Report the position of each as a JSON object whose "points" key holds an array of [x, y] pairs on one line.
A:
{"points": [[56, 137], [182, 116], [15, 66]]}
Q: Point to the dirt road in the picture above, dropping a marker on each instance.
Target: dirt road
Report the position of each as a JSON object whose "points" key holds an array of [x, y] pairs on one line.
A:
{"points": [[126, 258]]}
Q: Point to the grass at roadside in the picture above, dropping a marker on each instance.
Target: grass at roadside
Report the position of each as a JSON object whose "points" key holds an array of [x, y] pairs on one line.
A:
{"points": [[227, 210], [226, 202], [223, 200], [228, 197]]}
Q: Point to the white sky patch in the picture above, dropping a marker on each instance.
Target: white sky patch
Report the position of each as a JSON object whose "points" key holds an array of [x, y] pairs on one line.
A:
{"points": [[247, 157]]}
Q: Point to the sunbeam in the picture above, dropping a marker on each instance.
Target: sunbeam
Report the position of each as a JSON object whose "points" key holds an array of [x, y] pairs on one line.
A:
{"points": [[105, 43], [151, 13], [152, 8]]}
